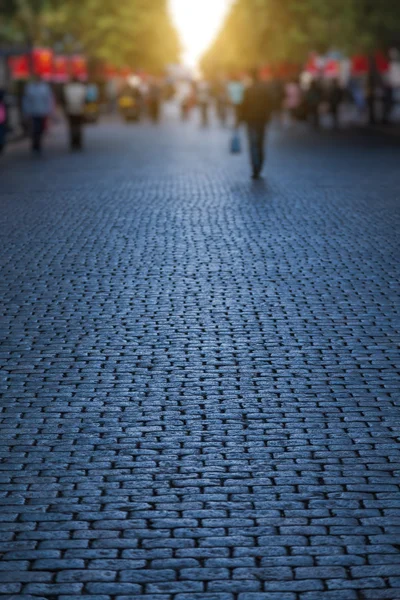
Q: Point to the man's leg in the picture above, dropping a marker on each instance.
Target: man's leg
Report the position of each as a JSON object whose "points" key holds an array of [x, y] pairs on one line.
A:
{"points": [[2, 136], [74, 132], [79, 123], [254, 149], [71, 132], [261, 146], [37, 133]]}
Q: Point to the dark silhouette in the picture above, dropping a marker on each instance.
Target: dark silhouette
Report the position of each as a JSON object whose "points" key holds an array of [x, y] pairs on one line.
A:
{"points": [[221, 101], [256, 112], [38, 103], [130, 103], [154, 101], [203, 101], [335, 97], [75, 99], [313, 100], [3, 121]]}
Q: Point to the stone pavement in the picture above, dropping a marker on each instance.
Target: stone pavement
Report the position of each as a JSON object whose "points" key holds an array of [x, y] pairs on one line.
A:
{"points": [[200, 374]]}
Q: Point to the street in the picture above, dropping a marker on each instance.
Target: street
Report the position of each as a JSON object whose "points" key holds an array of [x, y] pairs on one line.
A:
{"points": [[200, 373]]}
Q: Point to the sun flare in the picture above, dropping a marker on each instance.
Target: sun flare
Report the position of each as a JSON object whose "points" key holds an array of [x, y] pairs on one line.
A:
{"points": [[197, 22]]}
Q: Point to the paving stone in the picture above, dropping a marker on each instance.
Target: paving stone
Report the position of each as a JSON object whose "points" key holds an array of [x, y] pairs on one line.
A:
{"points": [[200, 374]]}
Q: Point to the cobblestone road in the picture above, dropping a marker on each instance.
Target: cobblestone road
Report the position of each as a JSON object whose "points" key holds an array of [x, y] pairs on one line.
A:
{"points": [[200, 373]]}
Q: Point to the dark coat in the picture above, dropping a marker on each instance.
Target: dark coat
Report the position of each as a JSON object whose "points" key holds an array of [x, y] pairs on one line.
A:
{"points": [[257, 105]]}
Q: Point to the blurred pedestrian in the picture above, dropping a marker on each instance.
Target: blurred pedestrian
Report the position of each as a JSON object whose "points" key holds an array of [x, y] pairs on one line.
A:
{"points": [[221, 100], [92, 92], [292, 99], [130, 102], [154, 100], [38, 104], [236, 94], [3, 121], [184, 95], [388, 103], [278, 96], [313, 101], [203, 101], [74, 102], [256, 110], [335, 97]]}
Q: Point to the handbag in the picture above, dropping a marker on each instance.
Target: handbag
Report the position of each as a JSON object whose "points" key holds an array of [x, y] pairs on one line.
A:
{"points": [[236, 146]]}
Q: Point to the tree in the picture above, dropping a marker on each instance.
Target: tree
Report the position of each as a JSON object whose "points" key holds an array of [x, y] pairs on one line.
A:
{"points": [[259, 31], [135, 33]]}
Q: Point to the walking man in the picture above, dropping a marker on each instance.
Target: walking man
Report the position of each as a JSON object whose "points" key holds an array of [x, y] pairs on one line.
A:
{"points": [[3, 121], [75, 100], [256, 112], [37, 105]]}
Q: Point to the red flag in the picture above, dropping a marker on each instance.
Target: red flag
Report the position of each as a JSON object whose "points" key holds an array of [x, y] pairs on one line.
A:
{"points": [[125, 71], [382, 62], [313, 64], [60, 69], [359, 65], [43, 62], [79, 67], [332, 68], [266, 72], [19, 66]]}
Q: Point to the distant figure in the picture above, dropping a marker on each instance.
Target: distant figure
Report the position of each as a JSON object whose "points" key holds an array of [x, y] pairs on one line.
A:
{"points": [[154, 101], [236, 95], [335, 97], [292, 100], [185, 98], [313, 100], [130, 102], [278, 94], [256, 112], [3, 121], [388, 98], [203, 100], [221, 101], [37, 106], [74, 101], [92, 92]]}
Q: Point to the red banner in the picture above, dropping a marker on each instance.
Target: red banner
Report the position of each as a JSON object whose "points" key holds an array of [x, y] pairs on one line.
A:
{"points": [[266, 73], [382, 62], [287, 70], [359, 65], [332, 68], [110, 71], [79, 67], [313, 64], [43, 62], [19, 66], [125, 71], [60, 72]]}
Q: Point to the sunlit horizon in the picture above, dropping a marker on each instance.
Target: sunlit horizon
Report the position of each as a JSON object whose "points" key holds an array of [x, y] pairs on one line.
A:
{"points": [[197, 22]]}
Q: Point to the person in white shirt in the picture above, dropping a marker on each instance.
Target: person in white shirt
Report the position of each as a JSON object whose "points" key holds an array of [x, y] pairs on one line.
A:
{"points": [[74, 102]]}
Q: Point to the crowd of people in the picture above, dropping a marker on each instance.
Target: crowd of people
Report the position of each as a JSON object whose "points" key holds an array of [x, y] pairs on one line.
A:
{"points": [[40, 103], [236, 100], [295, 99]]}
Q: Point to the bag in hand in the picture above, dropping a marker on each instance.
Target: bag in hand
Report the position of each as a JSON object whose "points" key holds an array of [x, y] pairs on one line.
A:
{"points": [[236, 146]]}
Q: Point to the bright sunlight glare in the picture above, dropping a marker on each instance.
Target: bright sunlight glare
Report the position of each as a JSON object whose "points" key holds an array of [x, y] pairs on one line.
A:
{"points": [[198, 22]]}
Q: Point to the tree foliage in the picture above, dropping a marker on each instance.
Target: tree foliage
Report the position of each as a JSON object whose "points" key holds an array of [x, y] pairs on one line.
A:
{"points": [[259, 31], [134, 33]]}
